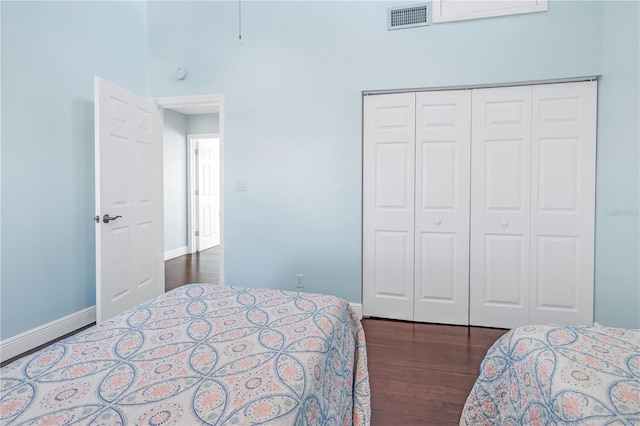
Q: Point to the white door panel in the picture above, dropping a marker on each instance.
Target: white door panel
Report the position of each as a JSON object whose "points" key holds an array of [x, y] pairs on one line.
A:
{"points": [[388, 205], [208, 186], [129, 249], [558, 174], [500, 192], [506, 162], [439, 167], [506, 278], [438, 262], [393, 183], [393, 265], [443, 121], [563, 201], [556, 276]]}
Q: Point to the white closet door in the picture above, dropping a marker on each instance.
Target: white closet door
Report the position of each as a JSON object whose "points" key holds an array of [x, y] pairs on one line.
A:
{"points": [[562, 203], [388, 205], [500, 206], [443, 133]]}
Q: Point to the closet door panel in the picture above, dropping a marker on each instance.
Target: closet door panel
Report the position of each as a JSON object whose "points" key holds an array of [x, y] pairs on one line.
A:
{"points": [[505, 270], [555, 283], [438, 261], [438, 167], [505, 164], [388, 205], [443, 121], [393, 275], [392, 169], [500, 206], [563, 202]]}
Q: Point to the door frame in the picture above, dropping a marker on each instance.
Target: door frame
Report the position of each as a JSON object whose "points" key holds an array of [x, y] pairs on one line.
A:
{"points": [[192, 203], [203, 101]]}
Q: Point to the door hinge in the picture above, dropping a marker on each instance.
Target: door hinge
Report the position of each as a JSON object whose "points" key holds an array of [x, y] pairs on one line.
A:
{"points": [[196, 151], [197, 233], [197, 192]]}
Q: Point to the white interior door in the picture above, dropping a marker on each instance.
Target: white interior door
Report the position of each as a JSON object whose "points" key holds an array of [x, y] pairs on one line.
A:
{"points": [[562, 203], [208, 198], [128, 154], [443, 133], [388, 205], [500, 206]]}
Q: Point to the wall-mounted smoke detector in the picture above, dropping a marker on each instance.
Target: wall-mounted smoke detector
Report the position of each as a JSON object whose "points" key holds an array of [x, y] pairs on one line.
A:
{"points": [[417, 15], [181, 73]]}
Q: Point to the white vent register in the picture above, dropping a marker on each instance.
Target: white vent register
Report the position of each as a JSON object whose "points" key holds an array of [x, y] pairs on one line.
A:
{"points": [[416, 15]]}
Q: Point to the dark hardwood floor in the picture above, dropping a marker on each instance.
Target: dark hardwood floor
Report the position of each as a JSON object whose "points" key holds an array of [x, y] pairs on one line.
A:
{"points": [[420, 374], [201, 267]]}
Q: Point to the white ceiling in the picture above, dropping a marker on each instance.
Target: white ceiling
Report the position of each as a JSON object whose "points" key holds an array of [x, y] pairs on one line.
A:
{"points": [[196, 109]]}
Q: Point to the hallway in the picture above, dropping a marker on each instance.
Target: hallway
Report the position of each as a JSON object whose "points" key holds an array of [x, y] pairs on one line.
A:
{"points": [[201, 267]]}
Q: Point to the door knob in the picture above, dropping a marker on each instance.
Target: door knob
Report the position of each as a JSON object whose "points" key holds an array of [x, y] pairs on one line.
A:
{"points": [[505, 223], [106, 218], [438, 221]]}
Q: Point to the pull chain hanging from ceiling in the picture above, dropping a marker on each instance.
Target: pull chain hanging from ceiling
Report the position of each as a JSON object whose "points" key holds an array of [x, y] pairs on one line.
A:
{"points": [[239, 19]]}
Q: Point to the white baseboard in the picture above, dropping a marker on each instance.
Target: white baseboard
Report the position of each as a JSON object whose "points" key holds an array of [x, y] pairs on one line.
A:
{"points": [[357, 308], [180, 251], [35, 337]]}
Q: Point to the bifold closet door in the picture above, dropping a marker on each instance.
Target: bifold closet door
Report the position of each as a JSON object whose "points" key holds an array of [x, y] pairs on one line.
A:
{"points": [[563, 203], [443, 123], [388, 205], [500, 206], [533, 205]]}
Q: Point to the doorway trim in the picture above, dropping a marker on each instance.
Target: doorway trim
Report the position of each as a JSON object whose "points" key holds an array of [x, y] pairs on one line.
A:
{"points": [[204, 103]]}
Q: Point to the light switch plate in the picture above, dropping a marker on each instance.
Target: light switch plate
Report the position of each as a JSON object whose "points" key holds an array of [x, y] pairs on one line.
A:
{"points": [[241, 184]]}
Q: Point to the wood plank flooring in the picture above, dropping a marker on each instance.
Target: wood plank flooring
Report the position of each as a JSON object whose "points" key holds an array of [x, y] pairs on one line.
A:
{"points": [[421, 374], [201, 267]]}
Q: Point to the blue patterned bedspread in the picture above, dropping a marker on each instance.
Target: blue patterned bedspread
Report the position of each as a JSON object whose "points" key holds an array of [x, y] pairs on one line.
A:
{"points": [[201, 354], [542, 375]]}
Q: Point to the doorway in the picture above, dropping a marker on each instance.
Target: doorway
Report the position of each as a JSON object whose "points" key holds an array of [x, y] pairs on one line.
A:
{"points": [[194, 204]]}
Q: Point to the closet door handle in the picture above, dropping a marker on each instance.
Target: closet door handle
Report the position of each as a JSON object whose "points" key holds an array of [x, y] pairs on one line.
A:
{"points": [[438, 221], [505, 223]]}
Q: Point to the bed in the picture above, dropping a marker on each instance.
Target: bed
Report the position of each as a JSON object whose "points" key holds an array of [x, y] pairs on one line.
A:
{"points": [[201, 354], [540, 375]]}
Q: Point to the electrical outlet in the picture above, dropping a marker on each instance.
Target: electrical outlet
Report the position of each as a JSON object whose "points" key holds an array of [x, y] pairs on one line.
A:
{"points": [[299, 280]]}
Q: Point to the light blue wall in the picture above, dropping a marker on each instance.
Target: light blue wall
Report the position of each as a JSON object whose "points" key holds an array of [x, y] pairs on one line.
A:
{"points": [[292, 127], [175, 179], [50, 53], [292, 91], [617, 216], [203, 123], [0, 170]]}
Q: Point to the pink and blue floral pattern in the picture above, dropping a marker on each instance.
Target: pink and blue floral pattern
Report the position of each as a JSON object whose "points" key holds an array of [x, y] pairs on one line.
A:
{"points": [[201, 354], [542, 375]]}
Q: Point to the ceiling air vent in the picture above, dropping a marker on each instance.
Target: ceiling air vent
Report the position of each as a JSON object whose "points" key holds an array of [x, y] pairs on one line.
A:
{"points": [[417, 15]]}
